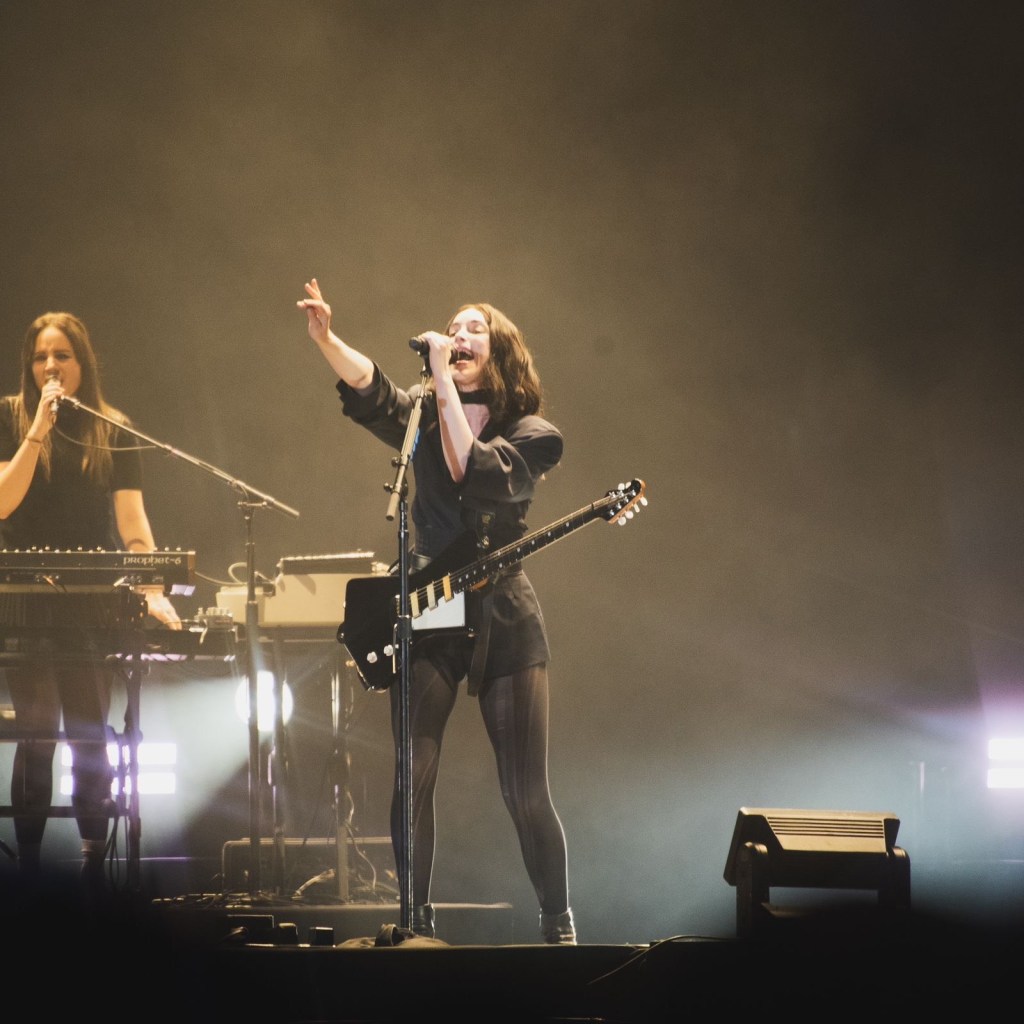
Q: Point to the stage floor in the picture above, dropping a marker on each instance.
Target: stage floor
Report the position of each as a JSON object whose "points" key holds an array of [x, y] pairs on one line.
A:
{"points": [[204, 959]]}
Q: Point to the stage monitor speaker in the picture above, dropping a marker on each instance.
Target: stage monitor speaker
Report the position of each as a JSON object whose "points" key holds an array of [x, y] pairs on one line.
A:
{"points": [[812, 849]]}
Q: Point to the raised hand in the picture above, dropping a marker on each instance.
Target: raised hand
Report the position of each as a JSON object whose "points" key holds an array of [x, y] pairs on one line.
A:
{"points": [[318, 312]]}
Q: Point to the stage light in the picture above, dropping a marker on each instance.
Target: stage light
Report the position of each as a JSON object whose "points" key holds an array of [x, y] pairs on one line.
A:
{"points": [[812, 849], [150, 784], [1006, 763], [157, 763], [264, 701]]}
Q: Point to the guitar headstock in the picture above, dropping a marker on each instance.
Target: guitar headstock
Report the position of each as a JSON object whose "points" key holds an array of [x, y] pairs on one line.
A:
{"points": [[625, 501]]}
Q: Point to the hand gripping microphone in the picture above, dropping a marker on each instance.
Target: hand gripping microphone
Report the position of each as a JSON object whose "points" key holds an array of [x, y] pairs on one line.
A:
{"points": [[74, 403], [423, 349]]}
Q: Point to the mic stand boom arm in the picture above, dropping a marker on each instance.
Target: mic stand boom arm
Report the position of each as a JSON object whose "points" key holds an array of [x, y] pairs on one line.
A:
{"points": [[265, 500], [252, 499]]}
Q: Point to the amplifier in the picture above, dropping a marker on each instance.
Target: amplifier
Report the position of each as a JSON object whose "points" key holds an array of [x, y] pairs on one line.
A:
{"points": [[314, 599], [309, 591], [352, 562]]}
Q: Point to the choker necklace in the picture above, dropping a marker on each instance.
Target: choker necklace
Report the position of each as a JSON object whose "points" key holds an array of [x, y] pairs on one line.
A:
{"points": [[478, 397]]}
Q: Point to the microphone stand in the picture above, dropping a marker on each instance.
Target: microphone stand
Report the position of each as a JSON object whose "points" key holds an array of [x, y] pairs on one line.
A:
{"points": [[251, 500], [403, 647]]}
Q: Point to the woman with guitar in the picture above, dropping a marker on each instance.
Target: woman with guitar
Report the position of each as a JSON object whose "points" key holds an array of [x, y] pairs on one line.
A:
{"points": [[483, 447]]}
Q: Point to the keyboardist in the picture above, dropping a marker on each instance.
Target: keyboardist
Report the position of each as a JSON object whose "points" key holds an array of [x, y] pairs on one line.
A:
{"points": [[70, 481]]}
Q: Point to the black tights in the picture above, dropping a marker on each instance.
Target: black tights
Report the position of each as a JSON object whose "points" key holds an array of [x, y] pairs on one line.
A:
{"points": [[515, 714], [38, 693]]}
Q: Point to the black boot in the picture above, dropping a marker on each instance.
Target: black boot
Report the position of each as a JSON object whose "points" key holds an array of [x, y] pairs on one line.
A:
{"points": [[423, 920], [558, 929]]}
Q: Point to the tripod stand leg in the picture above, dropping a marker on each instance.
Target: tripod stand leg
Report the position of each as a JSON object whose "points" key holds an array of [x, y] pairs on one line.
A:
{"points": [[131, 782], [277, 772], [340, 776]]}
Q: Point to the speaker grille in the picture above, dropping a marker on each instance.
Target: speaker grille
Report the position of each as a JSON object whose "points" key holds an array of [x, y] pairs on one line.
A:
{"points": [[864, 828]]}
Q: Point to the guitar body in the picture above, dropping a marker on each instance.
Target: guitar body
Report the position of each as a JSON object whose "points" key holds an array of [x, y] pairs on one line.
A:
{"points": [[371, 614], [436, 593], [367, 632]]}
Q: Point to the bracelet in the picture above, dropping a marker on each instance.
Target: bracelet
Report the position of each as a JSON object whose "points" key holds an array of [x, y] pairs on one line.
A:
{"points": [[34, 440]]}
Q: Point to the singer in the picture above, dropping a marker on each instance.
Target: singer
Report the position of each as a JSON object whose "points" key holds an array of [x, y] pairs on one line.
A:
{"points": [[483, 449], [67, 480]]}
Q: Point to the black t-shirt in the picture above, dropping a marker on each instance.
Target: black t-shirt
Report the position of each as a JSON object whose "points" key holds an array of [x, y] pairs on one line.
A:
{"points": [[69, 510]]}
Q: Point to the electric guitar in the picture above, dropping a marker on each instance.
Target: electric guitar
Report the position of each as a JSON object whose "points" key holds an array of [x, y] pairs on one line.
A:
{"points": [[437, 593]]}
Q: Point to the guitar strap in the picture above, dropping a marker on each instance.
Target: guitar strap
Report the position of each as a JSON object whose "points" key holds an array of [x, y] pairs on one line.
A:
{"points": [[484, 521], [476, 668]]}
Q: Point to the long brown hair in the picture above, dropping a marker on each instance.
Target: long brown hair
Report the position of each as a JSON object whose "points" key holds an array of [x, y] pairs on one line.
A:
{"points": [[509, 376], [92, 432]]}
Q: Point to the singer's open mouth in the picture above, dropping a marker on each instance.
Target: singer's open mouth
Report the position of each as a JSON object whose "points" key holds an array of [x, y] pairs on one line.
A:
{"points": [[463, 356]]}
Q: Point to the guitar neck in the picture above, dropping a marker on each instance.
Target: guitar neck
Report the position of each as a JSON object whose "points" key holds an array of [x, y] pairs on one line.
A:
{"points": [[515, 552]]}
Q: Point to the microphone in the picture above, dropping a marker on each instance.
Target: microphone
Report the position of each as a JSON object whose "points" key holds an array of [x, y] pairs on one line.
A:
{"points": [[423, 349], [55, 404]]}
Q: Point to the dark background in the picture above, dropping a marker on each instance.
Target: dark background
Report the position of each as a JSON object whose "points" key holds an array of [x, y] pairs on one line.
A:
{"points": [[768, 258]]}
